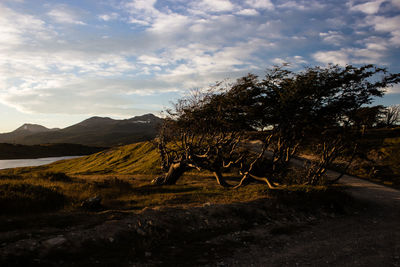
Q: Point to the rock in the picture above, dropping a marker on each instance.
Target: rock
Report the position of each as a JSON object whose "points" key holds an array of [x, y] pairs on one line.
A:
{"points": [[93, 203], [55, 242]]}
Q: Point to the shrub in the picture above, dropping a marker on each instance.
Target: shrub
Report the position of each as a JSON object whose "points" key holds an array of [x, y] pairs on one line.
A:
{"points": [[54, 176], [27, 198]]}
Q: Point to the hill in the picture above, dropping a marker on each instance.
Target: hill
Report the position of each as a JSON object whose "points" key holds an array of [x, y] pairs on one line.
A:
{"points": [[13, 151], [142, 158], [95, 131]]}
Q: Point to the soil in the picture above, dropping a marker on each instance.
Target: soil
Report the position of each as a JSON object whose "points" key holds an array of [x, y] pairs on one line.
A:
{"points": [[371, 237], [293, 231]]}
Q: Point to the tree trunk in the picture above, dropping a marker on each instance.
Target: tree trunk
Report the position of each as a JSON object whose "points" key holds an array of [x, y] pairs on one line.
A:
{"points": [[220, 179], [174, 173]]}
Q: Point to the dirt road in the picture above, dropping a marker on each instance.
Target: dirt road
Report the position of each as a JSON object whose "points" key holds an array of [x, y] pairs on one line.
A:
{"points": [[370, 237]]}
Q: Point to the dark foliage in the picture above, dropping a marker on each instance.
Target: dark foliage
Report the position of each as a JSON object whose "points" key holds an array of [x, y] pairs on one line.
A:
{"points": [[209, 130]]}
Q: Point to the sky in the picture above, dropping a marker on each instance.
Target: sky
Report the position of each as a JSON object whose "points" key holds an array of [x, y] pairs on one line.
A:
{"points": [[64, 61]]}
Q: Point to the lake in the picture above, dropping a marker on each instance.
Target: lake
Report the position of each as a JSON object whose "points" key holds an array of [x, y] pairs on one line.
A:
{"points": [[14, 163]]}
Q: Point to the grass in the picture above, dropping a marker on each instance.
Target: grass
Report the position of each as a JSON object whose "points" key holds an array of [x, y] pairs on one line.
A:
{"points": [[377, 157], [40, 193], [381, 162], [22, 198], [136, 158], [121, 177]]}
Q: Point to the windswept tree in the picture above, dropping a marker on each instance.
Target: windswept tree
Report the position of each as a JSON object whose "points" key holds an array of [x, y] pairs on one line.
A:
{"points": [[205, 130], [209, 130], [367, 117], [391, 116]]}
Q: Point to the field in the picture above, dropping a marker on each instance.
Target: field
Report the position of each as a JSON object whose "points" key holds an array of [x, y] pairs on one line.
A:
{"points": [[121, 177], [102, 208]]}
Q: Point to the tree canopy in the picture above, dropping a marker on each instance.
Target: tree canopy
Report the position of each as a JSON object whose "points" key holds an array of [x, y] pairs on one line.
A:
{"points": [[210, 130]]}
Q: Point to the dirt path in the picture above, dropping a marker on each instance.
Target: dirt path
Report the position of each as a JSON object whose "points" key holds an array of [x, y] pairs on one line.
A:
{"points": [[370, 237]]}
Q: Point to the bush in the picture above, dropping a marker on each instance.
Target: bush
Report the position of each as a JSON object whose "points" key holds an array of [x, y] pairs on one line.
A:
{"points": [[54, 176], [27, 198]]}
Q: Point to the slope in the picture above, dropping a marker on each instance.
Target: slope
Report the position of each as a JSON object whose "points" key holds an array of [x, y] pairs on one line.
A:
{"points": [[139, 158]]}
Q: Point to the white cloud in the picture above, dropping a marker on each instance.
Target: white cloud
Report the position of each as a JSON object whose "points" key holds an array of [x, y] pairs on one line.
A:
{"points": [[395, 89], [332, 37], [109, 17], [370, 7], [387, 24], [260, 4], [248, 12], [301, 4], [372, 54], [152, 60], [340, 57], [215, 5], [63, 14], [169, 23], [294, 61]]}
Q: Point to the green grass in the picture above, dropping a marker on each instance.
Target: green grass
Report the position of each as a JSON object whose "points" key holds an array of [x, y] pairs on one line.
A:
{"points": [[139, 158], [121, 177]]}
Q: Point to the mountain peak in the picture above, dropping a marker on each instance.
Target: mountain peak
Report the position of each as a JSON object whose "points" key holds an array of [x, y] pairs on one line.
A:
{"points": [[95, 121], [33, 128], [145, 117]]}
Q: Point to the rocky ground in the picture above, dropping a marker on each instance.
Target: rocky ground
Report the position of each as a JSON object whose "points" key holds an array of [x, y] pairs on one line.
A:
{"points": [[291, 231]]}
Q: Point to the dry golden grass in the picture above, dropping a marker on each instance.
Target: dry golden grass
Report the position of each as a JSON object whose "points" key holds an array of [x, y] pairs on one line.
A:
{"points": [[121, 192]]}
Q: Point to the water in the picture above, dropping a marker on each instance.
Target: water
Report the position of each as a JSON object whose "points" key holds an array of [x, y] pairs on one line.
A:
{"points": [[14, 163]]}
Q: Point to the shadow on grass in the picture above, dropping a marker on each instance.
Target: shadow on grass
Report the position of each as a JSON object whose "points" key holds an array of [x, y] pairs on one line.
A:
{"points": [[155, 189], [26, 198]]}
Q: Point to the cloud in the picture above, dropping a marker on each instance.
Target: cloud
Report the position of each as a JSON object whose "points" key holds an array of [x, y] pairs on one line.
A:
{"points": [[371, 7], [65, 15], [215, 5], [109, 17], [372, 54], [339, 57], [332, 37], [260, 4], [248, 12], [395, 89], [17, 29], [395, 3], [169, 23], [388, 25], [166, 47], [300, 4], [294, 61]]}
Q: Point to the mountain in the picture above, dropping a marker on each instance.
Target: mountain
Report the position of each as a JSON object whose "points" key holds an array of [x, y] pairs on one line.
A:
{"points": [[95, 131], [22, 132], [31, 128]]}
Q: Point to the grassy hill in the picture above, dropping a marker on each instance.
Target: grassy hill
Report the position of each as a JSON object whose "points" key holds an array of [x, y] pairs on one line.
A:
{"points": [[136, 158]]}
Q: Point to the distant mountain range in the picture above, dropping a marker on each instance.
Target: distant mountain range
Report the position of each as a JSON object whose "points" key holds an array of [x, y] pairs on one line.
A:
{"points": [[95, 131]]}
